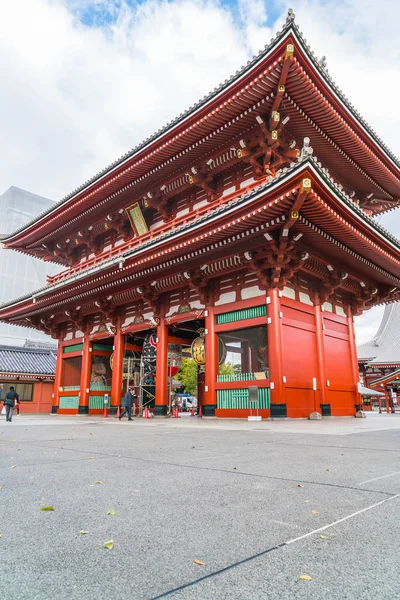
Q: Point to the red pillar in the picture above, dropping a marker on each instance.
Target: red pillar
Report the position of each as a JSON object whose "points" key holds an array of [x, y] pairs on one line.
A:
{"points": [[57, 378], [212, 359], [387, 400], [275, 346], [85, 376], [320, 339], [353, 355], [118, 363], [161, 402]]}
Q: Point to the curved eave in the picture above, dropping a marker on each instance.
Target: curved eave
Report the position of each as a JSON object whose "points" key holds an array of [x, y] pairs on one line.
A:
{"points": [[27, 375], [174, 136], [386, 378], [155, 250]]}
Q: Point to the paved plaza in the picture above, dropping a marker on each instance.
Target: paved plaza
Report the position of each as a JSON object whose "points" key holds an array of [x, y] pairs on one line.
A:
{"points": [[260, 504]]}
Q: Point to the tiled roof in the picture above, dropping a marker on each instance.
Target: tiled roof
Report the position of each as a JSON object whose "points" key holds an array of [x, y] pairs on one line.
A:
{"points": [[384, 348], [320, 65], [27, 361]]}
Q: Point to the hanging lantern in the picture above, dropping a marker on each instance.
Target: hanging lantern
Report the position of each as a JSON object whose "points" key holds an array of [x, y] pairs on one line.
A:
{"points": [[149, 353], [198, 348], [221, 351]]}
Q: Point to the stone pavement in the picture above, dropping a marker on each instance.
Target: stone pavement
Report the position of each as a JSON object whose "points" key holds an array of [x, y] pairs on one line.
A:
{"points": [[261, 504]]}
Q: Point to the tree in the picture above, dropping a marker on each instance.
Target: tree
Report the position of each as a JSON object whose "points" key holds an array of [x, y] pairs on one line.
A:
{"points": [[226, 369], [187, 375]]}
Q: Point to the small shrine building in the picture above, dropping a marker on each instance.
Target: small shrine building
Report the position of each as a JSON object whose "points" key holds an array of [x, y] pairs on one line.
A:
{"points": [[244, 229]]}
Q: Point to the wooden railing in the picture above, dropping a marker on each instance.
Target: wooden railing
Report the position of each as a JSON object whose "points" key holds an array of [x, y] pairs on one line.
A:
{"points": [[150, 235]]}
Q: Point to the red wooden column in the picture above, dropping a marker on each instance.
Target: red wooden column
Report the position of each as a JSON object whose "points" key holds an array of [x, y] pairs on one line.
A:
{"points": [[353, 355], [85, 376], [211, 342], [275, 347], [118, 364], [387, 399], [161, 402], [57, 378], [320, 339]]}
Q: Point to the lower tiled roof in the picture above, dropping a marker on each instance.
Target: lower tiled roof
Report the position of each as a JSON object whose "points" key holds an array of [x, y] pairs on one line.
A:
{"points": [[30, 361]]}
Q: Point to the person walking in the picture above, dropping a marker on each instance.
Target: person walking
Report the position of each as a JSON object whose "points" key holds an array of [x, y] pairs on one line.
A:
{"points": [[9, 402], [128, 403]]}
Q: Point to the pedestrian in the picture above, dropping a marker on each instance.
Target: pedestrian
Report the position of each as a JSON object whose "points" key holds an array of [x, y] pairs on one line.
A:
{"points": [[128, 403], [9, 402]]}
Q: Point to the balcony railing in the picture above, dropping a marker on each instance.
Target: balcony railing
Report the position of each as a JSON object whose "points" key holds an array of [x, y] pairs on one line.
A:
{"points": [[136, 242]]}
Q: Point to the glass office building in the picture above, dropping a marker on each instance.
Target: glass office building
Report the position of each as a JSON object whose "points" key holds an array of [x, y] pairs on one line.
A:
{"points": [[19, 273]]}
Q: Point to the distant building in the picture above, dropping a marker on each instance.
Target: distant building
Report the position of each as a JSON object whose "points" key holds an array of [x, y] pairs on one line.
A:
{"points": [[31, 372], [20, 273], [379, 359]]}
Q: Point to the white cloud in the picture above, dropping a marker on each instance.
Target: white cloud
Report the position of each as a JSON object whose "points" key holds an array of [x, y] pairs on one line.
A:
{"points": [[75, 97]]}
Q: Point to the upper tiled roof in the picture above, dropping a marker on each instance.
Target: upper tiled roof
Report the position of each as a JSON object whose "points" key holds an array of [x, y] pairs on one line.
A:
{"points": [[384, 348], [27, 361], [320, 65]]}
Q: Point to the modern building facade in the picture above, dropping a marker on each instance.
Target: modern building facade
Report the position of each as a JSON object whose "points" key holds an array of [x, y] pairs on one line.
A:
{"points": [[245, 227], [20, 273]]}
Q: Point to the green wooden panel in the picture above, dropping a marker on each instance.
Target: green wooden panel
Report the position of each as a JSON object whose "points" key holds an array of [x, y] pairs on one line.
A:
{"points": [[106, 347], [239, 398], [98, 402], [69, 401], [242, 315], [237, 377], [72, 388], [73, 348], [100, 386]]}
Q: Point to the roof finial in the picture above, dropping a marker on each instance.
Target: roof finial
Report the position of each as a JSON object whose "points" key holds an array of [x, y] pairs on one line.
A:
{"points": [[306, 150], [322, 63], [290, 16]]}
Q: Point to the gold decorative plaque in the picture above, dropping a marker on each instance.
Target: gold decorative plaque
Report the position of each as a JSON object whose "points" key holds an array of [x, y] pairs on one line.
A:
{"points": [[136, 219]]}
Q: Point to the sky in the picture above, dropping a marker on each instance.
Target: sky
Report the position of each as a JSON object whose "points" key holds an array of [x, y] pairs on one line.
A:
{"points": [[84, 81]]}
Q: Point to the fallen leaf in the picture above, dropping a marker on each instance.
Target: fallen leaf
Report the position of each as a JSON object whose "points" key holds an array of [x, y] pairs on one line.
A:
{"points": [[305, 577], [235, 468], [13, 467], [47, 508], [19, 448], [90, 433], [299, 485], [0, 535], [111, 512], [90, 457], [83, 532], [323, 537], [326, 469], [109, 545], [99, 482], [315, 512], [193, 446], [198, 562], [135, 491]]}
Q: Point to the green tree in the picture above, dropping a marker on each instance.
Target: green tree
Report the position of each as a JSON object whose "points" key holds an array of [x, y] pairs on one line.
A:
{"points": [[226, 369], [187, 375]]}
